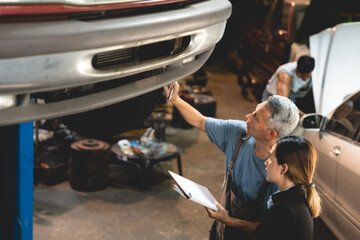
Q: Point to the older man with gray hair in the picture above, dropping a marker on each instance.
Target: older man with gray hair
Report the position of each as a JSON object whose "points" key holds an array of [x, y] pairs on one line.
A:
{"points": [[275, 117]]}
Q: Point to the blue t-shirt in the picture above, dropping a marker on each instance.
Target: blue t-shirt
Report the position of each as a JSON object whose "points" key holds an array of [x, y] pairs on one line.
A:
{"points": [[248, 172]]}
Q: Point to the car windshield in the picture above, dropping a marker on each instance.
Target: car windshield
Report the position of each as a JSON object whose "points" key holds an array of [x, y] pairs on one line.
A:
{"points": [[346, 118]]}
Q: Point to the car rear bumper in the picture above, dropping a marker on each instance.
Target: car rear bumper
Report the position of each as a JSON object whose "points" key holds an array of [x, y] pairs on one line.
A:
{"points": [[48, 56]]}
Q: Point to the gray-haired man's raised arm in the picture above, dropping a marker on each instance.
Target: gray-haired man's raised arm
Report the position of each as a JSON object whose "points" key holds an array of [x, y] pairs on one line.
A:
{"points": [[188, 112]]}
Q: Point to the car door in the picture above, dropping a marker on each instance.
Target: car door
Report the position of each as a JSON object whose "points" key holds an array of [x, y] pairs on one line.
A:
{"points": [[327, 146], [347, 207], [337, 174], [347, 195]]}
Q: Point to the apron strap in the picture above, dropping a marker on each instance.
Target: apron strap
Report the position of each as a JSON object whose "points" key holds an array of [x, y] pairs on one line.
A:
{"points": [[261, 194], [242, 139]]}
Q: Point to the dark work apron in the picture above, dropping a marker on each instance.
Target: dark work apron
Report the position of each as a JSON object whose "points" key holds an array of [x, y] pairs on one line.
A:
{"points": [[237, 208]]}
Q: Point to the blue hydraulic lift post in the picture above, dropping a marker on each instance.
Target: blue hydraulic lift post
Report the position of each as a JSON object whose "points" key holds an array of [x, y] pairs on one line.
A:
{"points": [[24, 183]]}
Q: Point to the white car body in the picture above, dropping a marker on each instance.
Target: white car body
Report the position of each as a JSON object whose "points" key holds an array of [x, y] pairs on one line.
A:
{"points": [[336, 83], [336, 74]]}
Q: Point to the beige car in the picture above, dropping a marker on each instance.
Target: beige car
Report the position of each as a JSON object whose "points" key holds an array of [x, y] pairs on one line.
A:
{"points": [[335, 128]]}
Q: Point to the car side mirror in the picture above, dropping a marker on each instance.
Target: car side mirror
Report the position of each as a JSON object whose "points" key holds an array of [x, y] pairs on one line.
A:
{"points": [[311, 121]]}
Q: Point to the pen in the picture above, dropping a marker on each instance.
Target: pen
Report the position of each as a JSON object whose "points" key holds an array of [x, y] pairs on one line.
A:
{"points": [[171, 93]]}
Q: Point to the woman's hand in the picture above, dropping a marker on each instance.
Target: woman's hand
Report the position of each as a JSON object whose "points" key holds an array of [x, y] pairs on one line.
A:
{"points": [[221, 214]]}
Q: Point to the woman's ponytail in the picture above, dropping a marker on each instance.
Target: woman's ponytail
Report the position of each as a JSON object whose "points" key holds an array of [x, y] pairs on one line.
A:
{"points": [[313, 201], [300, 156]]}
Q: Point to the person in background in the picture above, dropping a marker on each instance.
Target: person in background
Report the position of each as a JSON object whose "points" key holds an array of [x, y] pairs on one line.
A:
{"points": [[291, 166], [292, 80], [276, 117]]}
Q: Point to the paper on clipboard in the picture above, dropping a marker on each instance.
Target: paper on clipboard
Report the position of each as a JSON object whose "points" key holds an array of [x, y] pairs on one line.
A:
{"points": [[193, 191]]}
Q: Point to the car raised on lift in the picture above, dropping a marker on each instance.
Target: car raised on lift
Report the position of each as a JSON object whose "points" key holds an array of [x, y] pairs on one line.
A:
{"points": [[100, 66]]}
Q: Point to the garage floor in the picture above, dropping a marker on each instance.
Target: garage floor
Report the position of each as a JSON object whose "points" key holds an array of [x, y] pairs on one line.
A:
{"points": [[121, 211]]}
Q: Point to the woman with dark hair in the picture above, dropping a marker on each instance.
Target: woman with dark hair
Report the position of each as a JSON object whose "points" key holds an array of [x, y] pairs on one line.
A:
{"points": [[291, 166]]}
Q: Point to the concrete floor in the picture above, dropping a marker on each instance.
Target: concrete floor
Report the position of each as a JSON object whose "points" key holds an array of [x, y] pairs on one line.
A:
{"points": [[121, 211]]}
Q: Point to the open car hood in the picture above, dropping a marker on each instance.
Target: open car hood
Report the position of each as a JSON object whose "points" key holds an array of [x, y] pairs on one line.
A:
{"points": [[337, 65]]}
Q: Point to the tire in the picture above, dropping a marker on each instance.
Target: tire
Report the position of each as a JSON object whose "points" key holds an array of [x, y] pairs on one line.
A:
{"points": [[177, 120], [199, 78], [200, 90], [106, 122], [205, 104]]}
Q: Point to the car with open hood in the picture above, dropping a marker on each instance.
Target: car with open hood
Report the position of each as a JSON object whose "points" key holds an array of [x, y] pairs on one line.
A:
{"points": [[334, 129]]}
